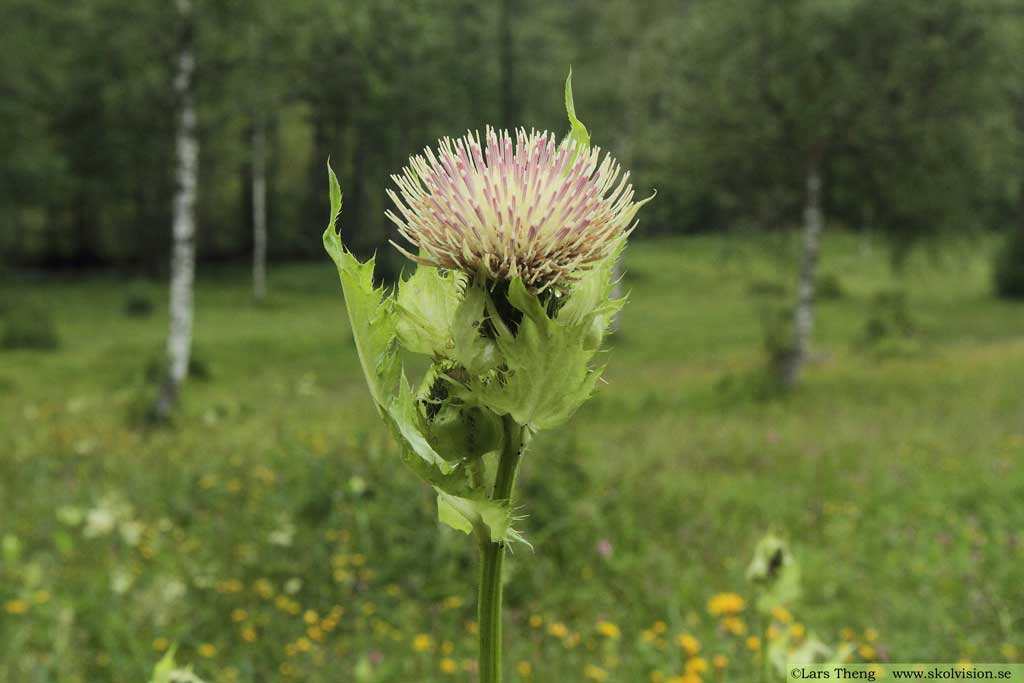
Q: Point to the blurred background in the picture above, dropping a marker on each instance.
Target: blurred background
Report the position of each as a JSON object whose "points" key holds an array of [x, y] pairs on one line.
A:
{"points": [[824, 339]]}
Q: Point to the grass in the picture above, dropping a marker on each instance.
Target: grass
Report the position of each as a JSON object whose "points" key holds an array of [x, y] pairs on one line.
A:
{"points": [[274, 535]]}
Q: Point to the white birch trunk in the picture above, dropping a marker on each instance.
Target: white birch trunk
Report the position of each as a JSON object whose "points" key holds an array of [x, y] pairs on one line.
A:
{"points": [[803, 322], [179, 337], [259, 207]]}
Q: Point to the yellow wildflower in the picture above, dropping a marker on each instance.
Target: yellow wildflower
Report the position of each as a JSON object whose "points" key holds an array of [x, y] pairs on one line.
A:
{"points": [[472, 628], [160, 644], [866, 652], [249, 634], [558, 630], [524, 668], [452, 602], [311, 617], [41, 597], [422, 642], [726, 603], [238, 614], [448, 666], [608, 630], [659, 627], [782, 614], [697, 665], [689, 644], [648, 635], [16, 606], [720, 661], [753, 643], [207, 650], [315, 633], [303, 645], [734, 625], [772, 632], [797, 631], [847, 634], [657, 677], [536, 620], [595, 673], [870, 635]]}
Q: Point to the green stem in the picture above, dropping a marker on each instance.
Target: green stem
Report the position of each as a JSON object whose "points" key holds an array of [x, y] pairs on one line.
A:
{"points": [[492, 556]]}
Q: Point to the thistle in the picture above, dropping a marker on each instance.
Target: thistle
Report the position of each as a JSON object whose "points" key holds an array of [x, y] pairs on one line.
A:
{"points": [[516, 243]]}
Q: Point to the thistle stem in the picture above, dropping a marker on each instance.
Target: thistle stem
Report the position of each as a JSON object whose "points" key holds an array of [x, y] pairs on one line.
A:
{"points": [[492, 556]]}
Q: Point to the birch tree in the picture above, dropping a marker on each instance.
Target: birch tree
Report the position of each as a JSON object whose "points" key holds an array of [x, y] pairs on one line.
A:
{"points": [[183, 258]]}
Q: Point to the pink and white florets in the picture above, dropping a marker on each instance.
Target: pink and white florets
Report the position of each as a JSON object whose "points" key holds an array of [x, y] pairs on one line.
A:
{"points": [[532, 208]]}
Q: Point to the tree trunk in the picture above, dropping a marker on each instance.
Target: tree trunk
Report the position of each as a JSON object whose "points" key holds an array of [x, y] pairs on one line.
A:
{"points": [[803, 319], [183, 261], [259, 207]]}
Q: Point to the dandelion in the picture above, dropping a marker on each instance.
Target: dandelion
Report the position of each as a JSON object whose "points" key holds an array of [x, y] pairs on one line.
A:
{"points": [[207, 650], [725, 603], [866, 651], [753, 644], [595, 673], [797, 631], [689, 644], [16, 606], [422, 643], [311, 617], [608, 630], [448, 666], [697, 665], [734, 625], [558, 630], [515, 205], [452, 602]]}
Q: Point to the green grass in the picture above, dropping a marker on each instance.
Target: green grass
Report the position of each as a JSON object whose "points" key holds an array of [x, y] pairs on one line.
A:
{"points": [[897, 479]]}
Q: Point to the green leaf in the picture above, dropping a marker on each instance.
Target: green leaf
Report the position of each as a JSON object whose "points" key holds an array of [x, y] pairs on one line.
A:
{"points": [[426, 306], [370, 312], [469, 514], [577, 131], [472, 350], [775, 572], [165, 667], [546, 373]]}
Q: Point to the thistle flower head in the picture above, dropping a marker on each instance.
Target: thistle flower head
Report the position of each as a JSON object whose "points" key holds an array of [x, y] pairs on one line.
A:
{"points": [[519, 205]]}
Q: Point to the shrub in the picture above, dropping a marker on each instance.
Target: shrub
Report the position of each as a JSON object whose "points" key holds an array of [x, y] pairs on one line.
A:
{"points": [[138, 304], [29, 327], [889, 328], [1009, 267], [829, 288]]}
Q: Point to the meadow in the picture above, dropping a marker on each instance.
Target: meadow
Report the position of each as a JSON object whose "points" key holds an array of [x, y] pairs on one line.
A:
{"points": [[273, 535]]}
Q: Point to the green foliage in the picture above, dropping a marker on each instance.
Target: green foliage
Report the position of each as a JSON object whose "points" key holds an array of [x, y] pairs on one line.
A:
{"points": [[1008, 272], [889, 327], [138, 304], [28, 326]]}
